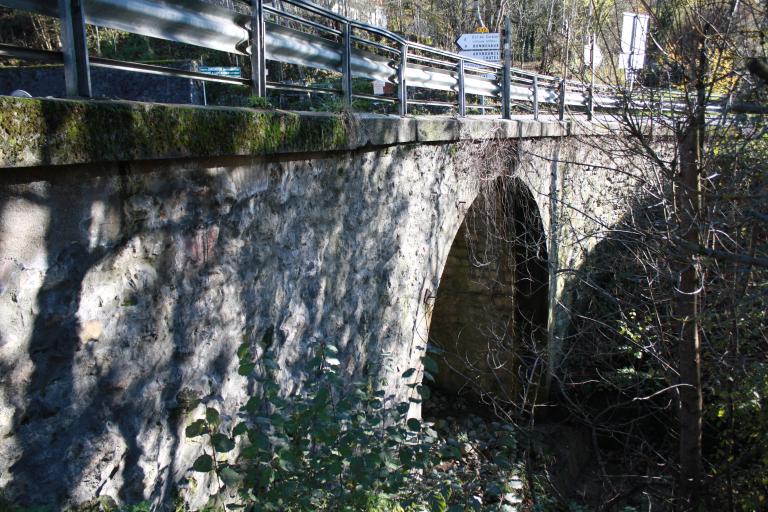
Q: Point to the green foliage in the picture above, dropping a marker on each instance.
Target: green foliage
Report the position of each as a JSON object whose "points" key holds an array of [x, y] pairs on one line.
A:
{"points": [[5, 506], [100, 504], [259, 102], [328, 447], [330, 103]]}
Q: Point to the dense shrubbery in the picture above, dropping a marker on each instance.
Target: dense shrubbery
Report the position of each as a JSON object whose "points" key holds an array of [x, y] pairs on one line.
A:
{"points": [[348, 447], [327, 447]]}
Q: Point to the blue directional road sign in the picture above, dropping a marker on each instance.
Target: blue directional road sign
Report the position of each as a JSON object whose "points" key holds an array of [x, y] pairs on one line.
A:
{"points": [[232, 72]]}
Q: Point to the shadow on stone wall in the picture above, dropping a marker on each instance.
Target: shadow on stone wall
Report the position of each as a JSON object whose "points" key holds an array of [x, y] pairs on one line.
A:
{"points": [[617, 356], [73, 399], [153, 275]]}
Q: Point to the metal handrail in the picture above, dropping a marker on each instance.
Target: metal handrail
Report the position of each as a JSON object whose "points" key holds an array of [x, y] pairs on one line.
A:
{"points": [[407, 64]]}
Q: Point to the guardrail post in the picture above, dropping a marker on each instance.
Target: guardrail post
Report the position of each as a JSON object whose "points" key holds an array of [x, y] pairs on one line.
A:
{"points": [[591, 90], [535, 97], [561, 109], [77, 74], [258, 54], [402, 87], [507, 79], [462, 90], [346, 65]]}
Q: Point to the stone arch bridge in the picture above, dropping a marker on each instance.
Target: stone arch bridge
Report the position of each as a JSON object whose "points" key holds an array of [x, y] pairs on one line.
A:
{"points": [[141, 244]]}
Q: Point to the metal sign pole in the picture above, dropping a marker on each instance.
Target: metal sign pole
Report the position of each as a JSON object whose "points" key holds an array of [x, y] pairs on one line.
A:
{"points": [[462, 90], [562, 100], [591, 97], [506, 84], [258, 58], [631, 63], [77, 74], [205, 93], [402, 89], [346, 64]]}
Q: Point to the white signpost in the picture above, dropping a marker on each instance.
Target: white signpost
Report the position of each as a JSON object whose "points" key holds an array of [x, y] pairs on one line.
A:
{"points": [[489, 55], [634, 33], [595, 59], [378, 87], [487, 41]]}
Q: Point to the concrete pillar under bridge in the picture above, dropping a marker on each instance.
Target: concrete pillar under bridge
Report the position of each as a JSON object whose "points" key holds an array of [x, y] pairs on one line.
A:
{"points": [[141, 244]]}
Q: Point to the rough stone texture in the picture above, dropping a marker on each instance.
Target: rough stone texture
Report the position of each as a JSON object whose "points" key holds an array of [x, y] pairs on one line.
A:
{"points": [[505, 294], [491, 308], [590, 185], [129, 276], [125, 289]]}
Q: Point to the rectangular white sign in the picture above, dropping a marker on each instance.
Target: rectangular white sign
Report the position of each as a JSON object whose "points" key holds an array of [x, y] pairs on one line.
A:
{"points": [[634, 34], [489, 41], [378, 87], [489, 55]]}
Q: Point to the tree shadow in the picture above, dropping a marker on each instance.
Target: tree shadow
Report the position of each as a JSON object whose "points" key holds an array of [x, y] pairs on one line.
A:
{"points": [[155, 272], [84, 420], [617, 356], [56, 419]]}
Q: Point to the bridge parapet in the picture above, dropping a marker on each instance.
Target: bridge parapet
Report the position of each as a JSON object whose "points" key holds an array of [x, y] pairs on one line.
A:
{"points": [[40, 132]]}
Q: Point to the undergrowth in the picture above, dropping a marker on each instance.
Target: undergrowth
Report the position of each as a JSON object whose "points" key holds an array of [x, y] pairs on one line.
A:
{"points": [[332, 446]]}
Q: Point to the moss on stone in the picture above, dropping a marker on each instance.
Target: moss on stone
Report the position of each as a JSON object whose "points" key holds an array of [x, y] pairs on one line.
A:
{"points": [[54, 132]]}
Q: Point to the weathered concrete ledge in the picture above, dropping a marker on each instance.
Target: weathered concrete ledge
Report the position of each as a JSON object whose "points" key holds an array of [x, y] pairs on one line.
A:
{"points": [[35, 132]]}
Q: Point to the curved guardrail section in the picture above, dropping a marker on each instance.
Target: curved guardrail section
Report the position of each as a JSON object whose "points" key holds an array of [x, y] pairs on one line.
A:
{"points": [[307, 35]]}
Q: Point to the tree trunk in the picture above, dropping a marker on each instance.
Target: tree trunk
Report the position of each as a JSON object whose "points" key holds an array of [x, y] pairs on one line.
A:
{"points": [[689, 347], [689, 210], [547, 36]]}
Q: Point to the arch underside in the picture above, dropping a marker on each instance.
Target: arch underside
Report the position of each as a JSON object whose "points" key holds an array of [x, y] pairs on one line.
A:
{"points": [[490, 313]]}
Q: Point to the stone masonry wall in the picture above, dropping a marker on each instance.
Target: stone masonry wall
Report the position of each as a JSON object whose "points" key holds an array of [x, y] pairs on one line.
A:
{"points": [[505, 296], [126, 288], [583, 187], [140, 245]]}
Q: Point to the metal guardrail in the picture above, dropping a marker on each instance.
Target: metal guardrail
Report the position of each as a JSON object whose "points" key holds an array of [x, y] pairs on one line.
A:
{"points": [[308, 35]]}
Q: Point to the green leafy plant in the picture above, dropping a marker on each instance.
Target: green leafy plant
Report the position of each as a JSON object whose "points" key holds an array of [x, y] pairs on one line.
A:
{"points": [[330, 446], [259, 102], [330, 103]]}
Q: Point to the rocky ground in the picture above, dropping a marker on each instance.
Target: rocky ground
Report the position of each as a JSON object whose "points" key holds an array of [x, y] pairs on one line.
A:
{"points": [[481, 467]]}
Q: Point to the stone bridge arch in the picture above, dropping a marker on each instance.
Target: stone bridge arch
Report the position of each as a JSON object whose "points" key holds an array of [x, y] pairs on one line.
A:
{"points": [[489, 318]]}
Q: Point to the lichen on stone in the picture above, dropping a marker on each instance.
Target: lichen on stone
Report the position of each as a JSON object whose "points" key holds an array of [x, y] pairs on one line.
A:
{"points": [[56, 132]]}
